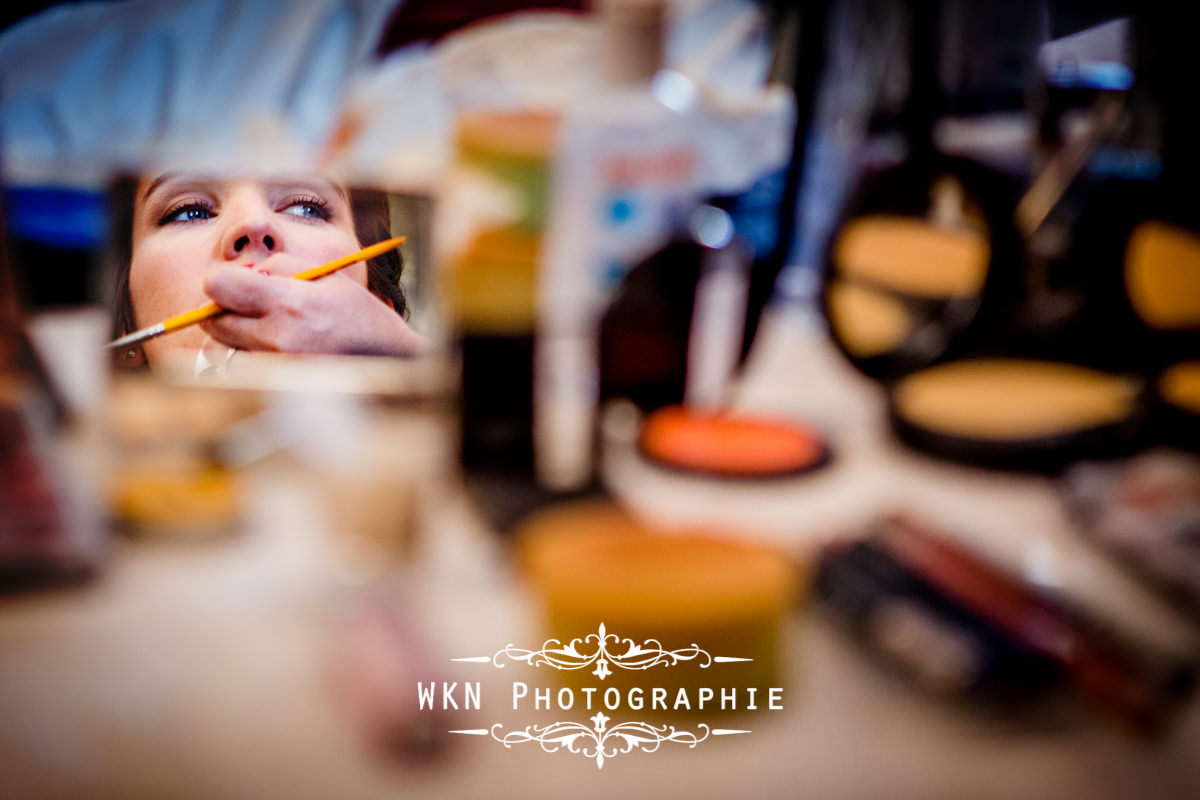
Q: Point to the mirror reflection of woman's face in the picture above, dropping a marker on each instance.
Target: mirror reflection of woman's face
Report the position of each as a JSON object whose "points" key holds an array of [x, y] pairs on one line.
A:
{"points": [[186, 224]]}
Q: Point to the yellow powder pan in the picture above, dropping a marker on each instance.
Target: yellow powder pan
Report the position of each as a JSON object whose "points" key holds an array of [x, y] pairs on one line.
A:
{"points": [[1019, 413], [1162, 275], [886, 333]]}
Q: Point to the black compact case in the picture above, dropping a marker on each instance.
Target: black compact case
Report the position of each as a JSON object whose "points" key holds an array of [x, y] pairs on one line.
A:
{"points": [[940, 327]]}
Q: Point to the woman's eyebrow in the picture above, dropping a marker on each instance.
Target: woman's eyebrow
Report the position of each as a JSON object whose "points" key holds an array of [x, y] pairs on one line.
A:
{"points": [[157, 182], [173, 177]]}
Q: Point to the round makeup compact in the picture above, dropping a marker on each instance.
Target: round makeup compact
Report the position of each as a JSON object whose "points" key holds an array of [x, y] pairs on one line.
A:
{"points": [[603, 574], [908, 268], [1017, 413], [729, 445]]}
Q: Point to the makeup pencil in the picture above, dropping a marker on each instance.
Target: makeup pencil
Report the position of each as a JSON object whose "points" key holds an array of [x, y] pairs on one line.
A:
{"points": [[188, 318]]}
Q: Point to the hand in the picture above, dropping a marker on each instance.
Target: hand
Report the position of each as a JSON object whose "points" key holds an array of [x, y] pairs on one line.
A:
{"points": [[334, 314]]}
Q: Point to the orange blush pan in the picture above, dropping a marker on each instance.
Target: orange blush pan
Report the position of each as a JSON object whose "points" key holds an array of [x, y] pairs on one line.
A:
{"points": [[729, 445]]}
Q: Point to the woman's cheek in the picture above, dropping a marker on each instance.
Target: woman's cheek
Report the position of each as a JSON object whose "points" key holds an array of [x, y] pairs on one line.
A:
{"points": [[163, 282], [160, 286], [323, 246], [358, 272]]}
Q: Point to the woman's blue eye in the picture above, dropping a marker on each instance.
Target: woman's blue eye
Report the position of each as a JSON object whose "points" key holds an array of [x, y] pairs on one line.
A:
{"points": [[193, 212], [307, 209]]}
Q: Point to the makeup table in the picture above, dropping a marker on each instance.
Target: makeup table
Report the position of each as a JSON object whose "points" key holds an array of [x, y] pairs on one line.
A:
{"points": [[204, 670]]}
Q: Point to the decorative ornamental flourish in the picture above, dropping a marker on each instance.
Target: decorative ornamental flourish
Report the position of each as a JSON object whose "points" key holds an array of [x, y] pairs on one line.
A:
{"points": [[595, 649], [600, 743]]}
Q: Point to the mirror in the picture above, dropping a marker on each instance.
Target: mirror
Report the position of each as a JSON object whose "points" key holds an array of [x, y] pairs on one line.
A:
{"points": [[138, 250], [176, 235]]}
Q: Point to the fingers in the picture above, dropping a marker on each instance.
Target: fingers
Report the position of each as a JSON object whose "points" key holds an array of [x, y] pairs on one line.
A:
{"points": [[273, 313], [242, 290], [243, 333], [336, 314], [253, 297]]}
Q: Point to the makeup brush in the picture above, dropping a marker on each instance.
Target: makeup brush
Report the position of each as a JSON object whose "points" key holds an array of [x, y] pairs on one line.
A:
{"points": [[188, 318]]}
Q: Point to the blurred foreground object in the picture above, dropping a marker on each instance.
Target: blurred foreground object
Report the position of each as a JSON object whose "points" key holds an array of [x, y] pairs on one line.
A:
{"points": [[50, 389], [628, 253], [594, 564], [961, 627], [168, 479], [378, 659], [93, 88], [1147, 511], [46, 536], [492, 288]]}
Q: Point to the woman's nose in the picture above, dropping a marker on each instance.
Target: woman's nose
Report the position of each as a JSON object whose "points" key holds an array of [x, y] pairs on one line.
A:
{"points": [[252, 236]]}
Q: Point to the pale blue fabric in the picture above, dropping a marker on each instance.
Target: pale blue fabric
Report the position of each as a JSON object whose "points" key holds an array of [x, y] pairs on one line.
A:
{"points": [[109, 85]]}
